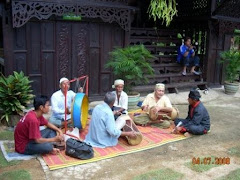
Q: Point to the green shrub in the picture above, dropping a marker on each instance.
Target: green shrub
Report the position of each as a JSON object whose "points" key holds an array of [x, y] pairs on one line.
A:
{"points": [[131, 64], [232, 60], [15, 94]]}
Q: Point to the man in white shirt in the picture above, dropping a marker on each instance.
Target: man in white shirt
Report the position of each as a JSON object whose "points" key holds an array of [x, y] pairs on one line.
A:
{"points": [[159, 102], [58, 104], [121, 102]]}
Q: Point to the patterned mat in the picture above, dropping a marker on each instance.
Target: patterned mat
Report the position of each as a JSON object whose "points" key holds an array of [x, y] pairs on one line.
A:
{"points": [[152, 137]]}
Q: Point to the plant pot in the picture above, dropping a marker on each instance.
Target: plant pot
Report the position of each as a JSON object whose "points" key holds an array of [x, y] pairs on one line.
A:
{"points": [[231, 88], [133, 101], [13, 120]]}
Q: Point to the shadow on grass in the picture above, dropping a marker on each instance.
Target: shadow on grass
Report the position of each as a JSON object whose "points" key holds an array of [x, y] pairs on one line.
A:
{"points": [[233, 175], [163, 174], [16, 175]]}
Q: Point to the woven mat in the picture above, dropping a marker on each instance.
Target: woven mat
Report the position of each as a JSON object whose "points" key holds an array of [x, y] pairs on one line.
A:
{"points": [[152, 137]]}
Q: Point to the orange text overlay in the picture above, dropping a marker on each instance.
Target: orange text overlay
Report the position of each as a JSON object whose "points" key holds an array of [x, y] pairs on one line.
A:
{"points": [[211, 160]]}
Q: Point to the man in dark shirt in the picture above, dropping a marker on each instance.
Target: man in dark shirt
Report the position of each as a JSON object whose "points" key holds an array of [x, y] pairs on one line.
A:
{"points": [[198, 121], [27, 135]]}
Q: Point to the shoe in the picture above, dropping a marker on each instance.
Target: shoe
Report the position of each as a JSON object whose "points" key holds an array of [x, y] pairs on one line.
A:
{"points": [[196, 73], [184, 73]]}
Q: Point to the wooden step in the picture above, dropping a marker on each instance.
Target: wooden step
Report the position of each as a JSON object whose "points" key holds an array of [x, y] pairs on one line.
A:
{"points": [[150, 88], [153, 32], [173, 75]]}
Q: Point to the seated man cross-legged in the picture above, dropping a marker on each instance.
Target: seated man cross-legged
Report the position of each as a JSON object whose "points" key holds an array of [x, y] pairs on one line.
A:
{"points": [[121, 102], [198, 121], [27, 135], [158, 101], [103, 131], [58, 104]]}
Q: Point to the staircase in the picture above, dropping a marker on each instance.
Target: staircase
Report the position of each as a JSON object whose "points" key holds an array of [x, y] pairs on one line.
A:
{"points": [[163, 44]]}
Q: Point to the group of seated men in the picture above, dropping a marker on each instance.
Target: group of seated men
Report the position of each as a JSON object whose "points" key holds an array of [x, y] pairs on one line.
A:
{"points": [[103, 131]]}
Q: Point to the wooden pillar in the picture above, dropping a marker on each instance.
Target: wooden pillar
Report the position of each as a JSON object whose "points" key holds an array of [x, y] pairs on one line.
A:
{"points": [[7, 41]]}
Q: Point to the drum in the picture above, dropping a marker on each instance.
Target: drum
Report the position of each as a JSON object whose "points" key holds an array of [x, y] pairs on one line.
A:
{"points": [[79, 114], [131, 126], [162, 114]]}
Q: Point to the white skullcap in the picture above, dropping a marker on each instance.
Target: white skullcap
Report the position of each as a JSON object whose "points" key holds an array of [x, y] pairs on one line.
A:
{"points": [[160, 86], [63, 79], [118, 82]]}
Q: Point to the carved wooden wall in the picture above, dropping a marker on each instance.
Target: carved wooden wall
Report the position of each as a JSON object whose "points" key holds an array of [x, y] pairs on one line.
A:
{"points": [[49, 50]]}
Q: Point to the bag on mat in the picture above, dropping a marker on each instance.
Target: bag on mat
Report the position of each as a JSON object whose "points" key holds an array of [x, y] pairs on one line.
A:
{"points": [[78, 149]]}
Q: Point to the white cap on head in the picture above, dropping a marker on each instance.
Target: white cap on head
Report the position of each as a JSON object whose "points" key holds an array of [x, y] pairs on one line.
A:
{"points": [[160, 86], [63, 79], [118, 82]]}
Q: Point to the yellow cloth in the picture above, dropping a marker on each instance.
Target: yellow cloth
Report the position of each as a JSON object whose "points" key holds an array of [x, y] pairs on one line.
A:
{"points": [[162, 102]]}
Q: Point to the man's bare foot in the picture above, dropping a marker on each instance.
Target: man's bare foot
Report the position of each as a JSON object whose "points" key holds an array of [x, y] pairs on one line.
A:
{"points": [[187, 134], [55, 151]]}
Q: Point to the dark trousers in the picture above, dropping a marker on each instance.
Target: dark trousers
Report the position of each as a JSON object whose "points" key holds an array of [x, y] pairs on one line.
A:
{"points": [[191, 128], [190, 61], [41, 148]]}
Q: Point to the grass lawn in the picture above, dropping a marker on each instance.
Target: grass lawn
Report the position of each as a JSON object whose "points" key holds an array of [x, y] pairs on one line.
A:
{"points": [[201, 167], [5, 163], [234, 175], [234, 151], [163, 174], [6, 135], [16, 175]]}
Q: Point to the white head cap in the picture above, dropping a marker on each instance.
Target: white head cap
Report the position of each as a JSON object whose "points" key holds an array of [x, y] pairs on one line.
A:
{"points": [[118, 82], [63, 79], [160, 86]]}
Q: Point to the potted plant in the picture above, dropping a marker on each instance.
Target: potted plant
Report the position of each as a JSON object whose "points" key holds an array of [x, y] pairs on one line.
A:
{"points": [[131, 64], [15, 94], [231, 60]]}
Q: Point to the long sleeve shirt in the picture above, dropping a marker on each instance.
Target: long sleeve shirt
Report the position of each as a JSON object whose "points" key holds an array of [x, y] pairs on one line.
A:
{"points": [[58, 104], [198, 116], [102, 130]]}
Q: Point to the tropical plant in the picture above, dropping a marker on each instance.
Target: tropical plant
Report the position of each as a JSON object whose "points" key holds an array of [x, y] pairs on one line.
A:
{"points": [[162, 9], [15, 94], [131, 64], [232, 67]]}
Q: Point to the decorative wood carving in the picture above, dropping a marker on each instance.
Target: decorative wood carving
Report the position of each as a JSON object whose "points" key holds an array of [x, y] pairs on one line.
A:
{"points": [[109, 11], [81, 50], [63, 51]]}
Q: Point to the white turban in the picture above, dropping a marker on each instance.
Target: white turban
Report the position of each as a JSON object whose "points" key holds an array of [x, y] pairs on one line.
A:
{"points": [[63, 79], [118, 82], [160, 86]]}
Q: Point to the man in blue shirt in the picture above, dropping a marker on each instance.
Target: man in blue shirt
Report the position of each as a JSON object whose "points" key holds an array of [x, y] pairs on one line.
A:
{"points": [[102, 130], [186, 56]]}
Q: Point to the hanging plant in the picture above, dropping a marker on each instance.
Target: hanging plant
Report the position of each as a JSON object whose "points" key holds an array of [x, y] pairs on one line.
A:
{"points": [[162, 9]]}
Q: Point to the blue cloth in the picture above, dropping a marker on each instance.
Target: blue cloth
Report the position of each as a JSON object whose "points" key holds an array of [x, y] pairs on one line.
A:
{"points": [[182, 49], [102, 130]]}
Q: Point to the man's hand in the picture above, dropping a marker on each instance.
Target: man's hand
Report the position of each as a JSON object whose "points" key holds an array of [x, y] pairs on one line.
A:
{"points": [[80, 90], [145, 108], [68, 111], [117, 113], [59, 138], [132, 135]]}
